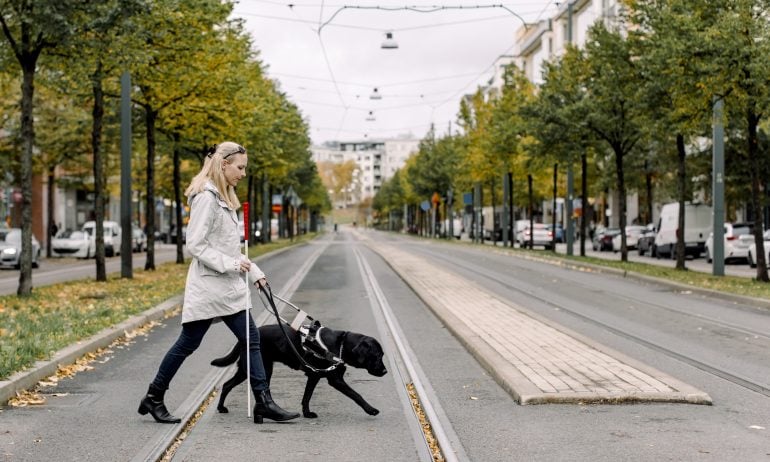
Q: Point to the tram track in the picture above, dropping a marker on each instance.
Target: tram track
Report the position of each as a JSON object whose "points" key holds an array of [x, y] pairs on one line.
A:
{"points": [[431, 428], [433, 436], [722, 373]]}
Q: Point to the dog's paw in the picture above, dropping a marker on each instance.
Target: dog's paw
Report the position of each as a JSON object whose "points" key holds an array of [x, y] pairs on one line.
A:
{"points": [[372, 411], [309, 415], [222, 410]]}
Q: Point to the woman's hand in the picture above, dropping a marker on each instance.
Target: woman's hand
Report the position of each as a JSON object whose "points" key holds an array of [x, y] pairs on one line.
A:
{"points": [[261, 283], [244, 265]]}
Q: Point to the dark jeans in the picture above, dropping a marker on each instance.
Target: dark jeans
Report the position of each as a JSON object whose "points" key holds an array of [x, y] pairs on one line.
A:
{"points": [[190, 339]]}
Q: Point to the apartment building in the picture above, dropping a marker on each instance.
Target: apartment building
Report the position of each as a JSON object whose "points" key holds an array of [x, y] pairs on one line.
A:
{"points": [[376, 160]]}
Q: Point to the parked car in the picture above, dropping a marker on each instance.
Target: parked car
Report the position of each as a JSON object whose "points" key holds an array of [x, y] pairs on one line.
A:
{"points": [[518, 228], [752, 253], [560, 239], [603, 238], [646, 242], [173, 234], [257, 231], [10, 248], [73, 243], [632, 237], [542, 235], [697, 225], [138, 240], [734, 247], [112, 236], [457, 228]]}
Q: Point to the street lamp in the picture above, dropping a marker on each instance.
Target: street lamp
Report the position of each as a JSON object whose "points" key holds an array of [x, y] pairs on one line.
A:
{"points": [[375, 94], [389, 43]]}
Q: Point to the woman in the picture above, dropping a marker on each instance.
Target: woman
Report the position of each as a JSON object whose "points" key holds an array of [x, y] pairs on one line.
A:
{"points": [[215, 284]]}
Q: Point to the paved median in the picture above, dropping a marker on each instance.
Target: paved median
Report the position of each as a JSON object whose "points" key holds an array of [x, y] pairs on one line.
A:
{"points": [[533, 359]]}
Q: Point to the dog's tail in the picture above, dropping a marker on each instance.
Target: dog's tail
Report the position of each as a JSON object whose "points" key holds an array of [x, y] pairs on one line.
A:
{"points": [[229, 358]]}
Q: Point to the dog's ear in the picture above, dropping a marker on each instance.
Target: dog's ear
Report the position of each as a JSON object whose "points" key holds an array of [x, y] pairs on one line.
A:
{"points": [[360, 353]]}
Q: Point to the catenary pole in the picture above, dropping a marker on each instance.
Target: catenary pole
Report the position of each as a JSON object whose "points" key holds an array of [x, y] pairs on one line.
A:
{"points": [[126, 267]]}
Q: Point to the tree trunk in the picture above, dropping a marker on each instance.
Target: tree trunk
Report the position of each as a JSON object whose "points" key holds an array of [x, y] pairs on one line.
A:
{"points": [[584, 202], [494, 215], [648, 187], [531, 213], [553, 207], [681, 192], [757, 193], [27, 140], [178, 199], [99, 181], [621, 185], [150, 116], [266, 210], [50, 210]]}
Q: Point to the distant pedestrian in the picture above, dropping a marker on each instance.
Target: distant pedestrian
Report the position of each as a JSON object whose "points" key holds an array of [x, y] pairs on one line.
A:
{"points": [[215, 286], [54, 229]]}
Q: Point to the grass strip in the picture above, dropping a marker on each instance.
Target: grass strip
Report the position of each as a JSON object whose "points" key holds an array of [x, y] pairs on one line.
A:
{"points": [[745, 286], [36, 327]]}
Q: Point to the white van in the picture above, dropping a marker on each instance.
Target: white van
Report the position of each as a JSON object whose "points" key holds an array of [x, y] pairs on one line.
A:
{"points": [[457, 228], [697, 226], [112, 236]]}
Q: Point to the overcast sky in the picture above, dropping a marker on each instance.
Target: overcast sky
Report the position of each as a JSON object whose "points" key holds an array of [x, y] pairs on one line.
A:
{"points": [[330, 75]]}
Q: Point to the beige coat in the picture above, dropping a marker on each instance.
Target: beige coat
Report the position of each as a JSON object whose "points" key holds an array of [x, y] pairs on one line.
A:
{"points": [[215, 287]]}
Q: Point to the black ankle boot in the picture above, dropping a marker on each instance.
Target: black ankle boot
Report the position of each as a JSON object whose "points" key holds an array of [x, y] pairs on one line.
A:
{"points": [[153, 403], [266, 408]]}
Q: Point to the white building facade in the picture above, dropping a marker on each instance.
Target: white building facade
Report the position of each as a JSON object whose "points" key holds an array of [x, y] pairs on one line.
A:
{"points": [[376, 160], [539, 43]]}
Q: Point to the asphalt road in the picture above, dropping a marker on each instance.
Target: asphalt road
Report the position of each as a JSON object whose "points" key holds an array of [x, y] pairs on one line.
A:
{"points": [[54, 270], [704, 341], [733, 268]]}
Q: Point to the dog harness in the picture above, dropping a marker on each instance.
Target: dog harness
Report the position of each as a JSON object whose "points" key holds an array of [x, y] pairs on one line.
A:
{"points": [[311, 342]]}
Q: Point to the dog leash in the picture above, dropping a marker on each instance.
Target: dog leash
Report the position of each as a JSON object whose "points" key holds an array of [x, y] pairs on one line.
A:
{"points": [[336, 362]]}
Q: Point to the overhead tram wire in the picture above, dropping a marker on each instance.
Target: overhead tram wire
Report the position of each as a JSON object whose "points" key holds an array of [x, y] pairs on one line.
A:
{"points": [[374, 29], [476, 79], [412, 9], [417, 9], [432, 9], [331, 74]]}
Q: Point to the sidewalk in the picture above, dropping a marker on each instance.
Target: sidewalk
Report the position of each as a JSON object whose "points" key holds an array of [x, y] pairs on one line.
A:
{"points": [[535, 361]]}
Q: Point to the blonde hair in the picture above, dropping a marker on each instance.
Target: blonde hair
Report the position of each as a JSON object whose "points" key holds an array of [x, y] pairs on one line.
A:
{"points": [[212, 171]]}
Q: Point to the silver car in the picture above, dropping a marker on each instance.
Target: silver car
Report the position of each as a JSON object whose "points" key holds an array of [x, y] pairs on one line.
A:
{"points": [[10, 248]]}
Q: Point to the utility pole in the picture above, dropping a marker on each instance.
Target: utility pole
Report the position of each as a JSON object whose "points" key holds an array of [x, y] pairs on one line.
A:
{"points": [[570, 227], [718, 170], [126, 266]]}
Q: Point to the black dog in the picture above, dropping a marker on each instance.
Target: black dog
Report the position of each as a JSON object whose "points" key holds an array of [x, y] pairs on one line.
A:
{"points": [[357, 350]]}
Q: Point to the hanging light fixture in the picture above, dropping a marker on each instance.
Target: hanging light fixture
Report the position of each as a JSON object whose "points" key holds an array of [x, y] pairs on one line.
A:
{"points": [[375, 94], [389, 43], [370, 117]]}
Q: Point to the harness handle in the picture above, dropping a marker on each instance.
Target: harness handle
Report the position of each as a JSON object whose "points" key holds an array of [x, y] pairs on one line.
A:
{"points": [[269, 295]]}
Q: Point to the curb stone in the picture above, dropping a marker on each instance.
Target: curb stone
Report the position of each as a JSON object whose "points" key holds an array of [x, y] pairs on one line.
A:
{"points": [[27, 379]]}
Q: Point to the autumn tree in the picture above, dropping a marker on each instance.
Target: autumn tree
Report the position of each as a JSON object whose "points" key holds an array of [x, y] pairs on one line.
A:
{"points": [[556, 120], [31, 28], [613, 112]]}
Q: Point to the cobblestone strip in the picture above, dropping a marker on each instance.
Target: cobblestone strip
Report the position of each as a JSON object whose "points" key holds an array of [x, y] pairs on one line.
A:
{"points": [[544, 363]]}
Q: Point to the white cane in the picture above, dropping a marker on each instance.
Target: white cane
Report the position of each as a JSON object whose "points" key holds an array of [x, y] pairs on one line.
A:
{"points": [[248, 294]]}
